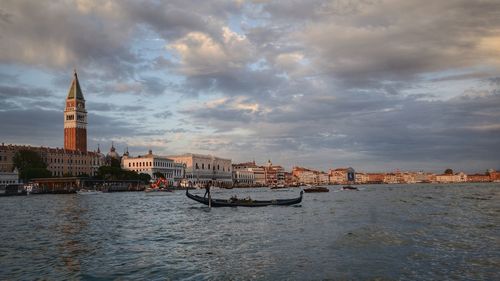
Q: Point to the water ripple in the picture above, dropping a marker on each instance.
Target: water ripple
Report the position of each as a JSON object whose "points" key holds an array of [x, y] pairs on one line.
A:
{"points": [[404, 232]]}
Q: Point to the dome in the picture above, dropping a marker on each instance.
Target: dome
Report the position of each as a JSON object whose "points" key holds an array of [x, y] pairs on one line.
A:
{"points": [[112, 153]]}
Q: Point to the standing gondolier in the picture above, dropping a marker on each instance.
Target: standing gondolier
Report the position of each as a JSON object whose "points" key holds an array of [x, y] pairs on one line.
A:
{"points": [[207, 190]]}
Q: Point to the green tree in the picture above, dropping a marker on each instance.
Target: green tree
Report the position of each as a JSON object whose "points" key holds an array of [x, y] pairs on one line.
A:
{"points": [[448, 171], [145, 178], [30, 165], [158, 175]]}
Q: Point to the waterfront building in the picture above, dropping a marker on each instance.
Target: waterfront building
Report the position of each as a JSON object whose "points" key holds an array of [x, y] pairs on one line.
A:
{"points": [[274, 174], [75, 119], [361, 178], [376, 178], [422, 177], [152, 164], [305, 176], [259, 173], [494, 175], [342, 175], [290, 179], [201, 169], [478, 178], [60, 162], [244, 178], [451, 178], [7, 178], [323, 178]]}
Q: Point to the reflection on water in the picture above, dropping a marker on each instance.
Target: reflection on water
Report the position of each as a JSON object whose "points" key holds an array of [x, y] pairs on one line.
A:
{"points": [[386, 232]]}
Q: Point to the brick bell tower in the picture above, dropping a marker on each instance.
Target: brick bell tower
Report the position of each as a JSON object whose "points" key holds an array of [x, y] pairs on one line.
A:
{"points": [[75, 118]]}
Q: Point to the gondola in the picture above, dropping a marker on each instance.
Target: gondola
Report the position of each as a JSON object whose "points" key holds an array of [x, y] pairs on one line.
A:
{"points": [[244, 202], [315, 189], [349, 187]]}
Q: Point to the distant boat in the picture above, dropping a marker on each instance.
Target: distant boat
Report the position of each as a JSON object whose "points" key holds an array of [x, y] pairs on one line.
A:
{"points": [[235, 202], [314, 189], [88, 192], [150, 189], [349, 187]]}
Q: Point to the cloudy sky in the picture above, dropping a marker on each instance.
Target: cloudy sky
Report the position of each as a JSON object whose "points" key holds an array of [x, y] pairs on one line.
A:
{"points": [[377, 85]]}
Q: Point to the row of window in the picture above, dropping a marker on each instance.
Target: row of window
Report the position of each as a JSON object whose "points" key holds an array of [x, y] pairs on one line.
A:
{"points": [[71, 161], [208, 167], [149, 163], [8, 182]]}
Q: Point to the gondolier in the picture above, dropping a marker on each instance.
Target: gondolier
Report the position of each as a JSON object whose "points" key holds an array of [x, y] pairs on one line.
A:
{"points": [[207, 190]]}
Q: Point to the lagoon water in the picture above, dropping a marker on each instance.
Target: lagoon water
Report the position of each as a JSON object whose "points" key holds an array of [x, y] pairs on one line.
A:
{"points": [[404, 232]]}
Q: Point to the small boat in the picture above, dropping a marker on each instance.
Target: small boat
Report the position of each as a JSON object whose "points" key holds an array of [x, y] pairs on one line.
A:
{"points": [[150, 189], [235, 202], [349, 187], [314, 189], [88, 192], [279, 186]]}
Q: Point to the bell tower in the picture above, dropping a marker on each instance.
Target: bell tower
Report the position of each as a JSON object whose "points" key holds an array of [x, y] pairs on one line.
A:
{"points": [[75, 118]]}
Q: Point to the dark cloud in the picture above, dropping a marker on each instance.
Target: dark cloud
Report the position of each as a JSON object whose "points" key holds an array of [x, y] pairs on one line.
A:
{"points": [[296, 81]]}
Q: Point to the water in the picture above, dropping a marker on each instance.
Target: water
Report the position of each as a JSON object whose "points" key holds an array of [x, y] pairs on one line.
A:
{"points": [[404, 232]]}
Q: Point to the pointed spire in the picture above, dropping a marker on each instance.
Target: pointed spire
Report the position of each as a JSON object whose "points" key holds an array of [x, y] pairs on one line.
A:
{"points": [[75, 91], [98, 149]]}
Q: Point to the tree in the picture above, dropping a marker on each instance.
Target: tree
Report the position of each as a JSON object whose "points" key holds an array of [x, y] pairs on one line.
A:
{"points": [[448, 171], [145, 178], [30, 165], [158, 175]]}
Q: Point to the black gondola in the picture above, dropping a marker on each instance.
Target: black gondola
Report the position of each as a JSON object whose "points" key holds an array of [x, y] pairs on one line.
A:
{"points": [[244, 202]]}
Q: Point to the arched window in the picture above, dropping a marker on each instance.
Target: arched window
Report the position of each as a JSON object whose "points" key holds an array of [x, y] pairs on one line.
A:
{"points": [[218, 167], [197, 166], [202, 166]]}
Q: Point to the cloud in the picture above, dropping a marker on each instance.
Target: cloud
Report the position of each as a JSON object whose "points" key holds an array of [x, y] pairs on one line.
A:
{"points": [[316, 82]]}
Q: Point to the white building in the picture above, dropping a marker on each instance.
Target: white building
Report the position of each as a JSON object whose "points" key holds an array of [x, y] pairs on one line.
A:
{"points": [[201, 169], [152, 164], [244, 177], [7, 178]]}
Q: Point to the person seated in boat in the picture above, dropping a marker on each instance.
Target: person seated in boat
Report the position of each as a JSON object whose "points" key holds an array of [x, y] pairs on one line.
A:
{"points": [[233, 199]]}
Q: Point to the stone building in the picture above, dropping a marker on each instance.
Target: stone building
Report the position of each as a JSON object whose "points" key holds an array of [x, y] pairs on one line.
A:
{"points": [[202, 169], [151, 164], [59, 161]]}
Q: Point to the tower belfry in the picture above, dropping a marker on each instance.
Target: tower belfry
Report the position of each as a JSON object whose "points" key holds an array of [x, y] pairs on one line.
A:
{"points": [[75, 118]]}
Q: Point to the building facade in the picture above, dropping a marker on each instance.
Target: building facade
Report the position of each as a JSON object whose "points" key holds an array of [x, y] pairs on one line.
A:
{"points": [[60, 162], [202, 169], [243, 178], [152, 164], [451, 178], [7, 178]]}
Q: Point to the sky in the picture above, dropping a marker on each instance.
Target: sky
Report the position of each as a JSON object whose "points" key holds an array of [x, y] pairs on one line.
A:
{"points": [[378, 85]]}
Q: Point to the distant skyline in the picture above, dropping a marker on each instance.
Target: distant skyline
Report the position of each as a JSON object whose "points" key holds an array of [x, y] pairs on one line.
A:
{"points": [[376, 85]]}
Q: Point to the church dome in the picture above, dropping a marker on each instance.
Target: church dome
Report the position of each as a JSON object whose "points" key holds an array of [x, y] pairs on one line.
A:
{"points": [[112, 153]]}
